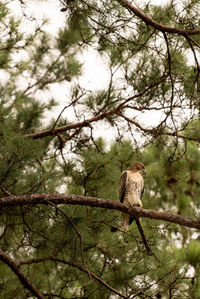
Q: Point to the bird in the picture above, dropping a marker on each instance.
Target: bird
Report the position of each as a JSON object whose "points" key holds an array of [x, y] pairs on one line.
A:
{"points": [[131, 189]]}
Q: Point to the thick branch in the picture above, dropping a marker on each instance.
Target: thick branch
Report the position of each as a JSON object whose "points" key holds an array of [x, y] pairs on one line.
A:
{"points": [[157, 25], [57, 198], [56, 259], [14, 266]]}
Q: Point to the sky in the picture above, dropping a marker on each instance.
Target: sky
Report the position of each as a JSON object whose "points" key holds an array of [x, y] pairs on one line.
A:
{"points": [[92, 78], [56, 19]]}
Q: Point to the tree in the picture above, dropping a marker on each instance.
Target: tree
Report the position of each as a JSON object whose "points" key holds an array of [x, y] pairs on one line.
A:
{"points": [[60, 245]]}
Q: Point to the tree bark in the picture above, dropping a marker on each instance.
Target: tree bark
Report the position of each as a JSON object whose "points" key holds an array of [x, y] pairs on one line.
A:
{"points": [[87, 122], [156, 25], [59, 198]]}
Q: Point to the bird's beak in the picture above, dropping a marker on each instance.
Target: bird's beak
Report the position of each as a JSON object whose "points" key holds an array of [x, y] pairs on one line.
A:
{"points": [[144, 171]]}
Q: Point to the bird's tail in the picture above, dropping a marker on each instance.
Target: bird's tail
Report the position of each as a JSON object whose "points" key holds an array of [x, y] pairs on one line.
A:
{"points": [[125, 222]]}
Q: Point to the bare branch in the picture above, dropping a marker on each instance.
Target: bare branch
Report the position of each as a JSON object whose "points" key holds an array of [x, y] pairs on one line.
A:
{"points": [[157, 131], [73, 199], [155, 24], [148, 249], [97, 117]]}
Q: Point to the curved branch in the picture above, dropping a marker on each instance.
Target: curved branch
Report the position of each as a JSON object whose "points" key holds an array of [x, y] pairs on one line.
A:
{"points": [[14, 266], [97, 117], [155, 24], [157, 131], [56, 259], [73, 199]]}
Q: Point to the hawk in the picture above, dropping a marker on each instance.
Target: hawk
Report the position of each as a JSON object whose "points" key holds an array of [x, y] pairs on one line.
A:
{"points": [[131, 188]]}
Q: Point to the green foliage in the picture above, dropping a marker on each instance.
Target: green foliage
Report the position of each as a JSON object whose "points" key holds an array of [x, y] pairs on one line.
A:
{"points": [[192, 253], [76, 28], [149, 72]]}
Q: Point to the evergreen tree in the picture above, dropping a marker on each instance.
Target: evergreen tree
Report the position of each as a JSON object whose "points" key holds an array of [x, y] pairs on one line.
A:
{"points": [[61, 245]]}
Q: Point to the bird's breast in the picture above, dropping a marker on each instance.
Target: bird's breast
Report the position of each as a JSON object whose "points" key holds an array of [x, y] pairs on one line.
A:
{"points": [[134, 187]]}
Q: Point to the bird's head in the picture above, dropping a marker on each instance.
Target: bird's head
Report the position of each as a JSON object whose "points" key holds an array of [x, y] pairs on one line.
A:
{"points": [[138, 167]]}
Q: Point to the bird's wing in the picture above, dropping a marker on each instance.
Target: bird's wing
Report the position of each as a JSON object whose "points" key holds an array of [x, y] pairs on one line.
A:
{"points": [[122, 186]]}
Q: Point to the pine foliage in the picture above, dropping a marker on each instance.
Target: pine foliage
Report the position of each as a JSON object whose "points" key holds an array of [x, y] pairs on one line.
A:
{"points": [[70, 251]]}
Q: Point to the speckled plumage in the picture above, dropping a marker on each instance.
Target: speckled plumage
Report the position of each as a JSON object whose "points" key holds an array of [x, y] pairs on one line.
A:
{"points": [[131, 188]]}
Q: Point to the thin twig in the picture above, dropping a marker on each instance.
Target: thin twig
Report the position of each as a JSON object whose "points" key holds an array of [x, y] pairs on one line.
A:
{"points": [[6, 191], [77, 231], [56, 259], [148, 249], [67, 217], [97, 117]]}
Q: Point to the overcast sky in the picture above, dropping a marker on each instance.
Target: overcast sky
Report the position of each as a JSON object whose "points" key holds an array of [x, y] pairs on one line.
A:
{"points": [[50, 9], [93, 77]]}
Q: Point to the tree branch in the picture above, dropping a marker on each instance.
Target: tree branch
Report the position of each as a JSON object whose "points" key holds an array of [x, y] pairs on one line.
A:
{"points": [[156, 25], [14, 266], [56, 259], [139, 226], [157, 131], [73, 199], [97, 117]]}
